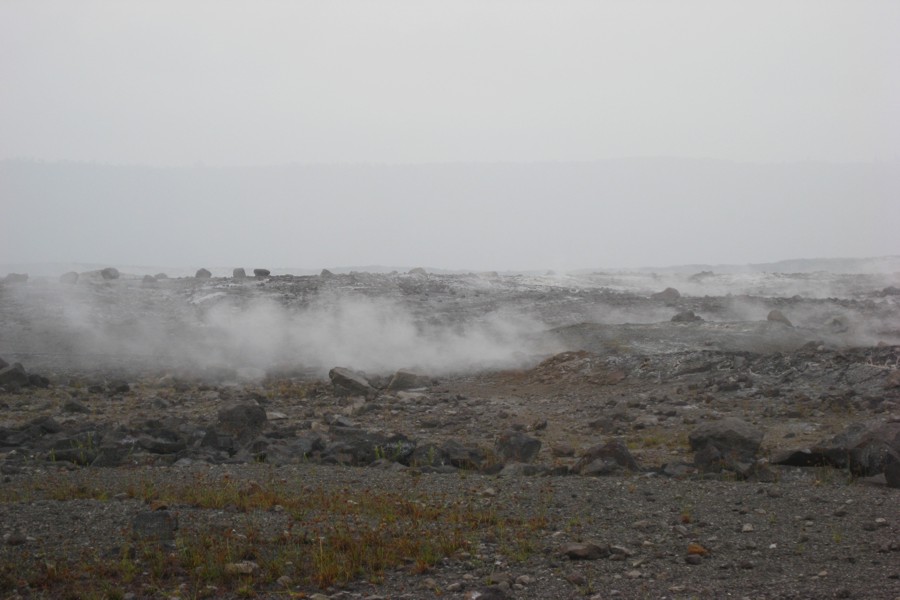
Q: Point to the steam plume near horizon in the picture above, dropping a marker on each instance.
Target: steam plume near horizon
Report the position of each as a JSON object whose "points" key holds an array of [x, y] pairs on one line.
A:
{"points": [[76, 326]]}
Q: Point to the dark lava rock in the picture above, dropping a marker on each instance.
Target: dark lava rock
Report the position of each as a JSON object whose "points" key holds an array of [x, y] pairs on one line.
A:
{"points": [[203, 274], [604, 459], [348, 381], [326, 273], [727, 442], [109, 273], [162, 441], [220, 441], [16, 278], [154, 525], [70, 277], [686, 316], [778, 317], [449, 454], [585, 551], [892, 474], [239, 273], [517, 447], [359, 447], [3, 363], [243, 420], [80, 449], [13, 376], [74, 406], [864, 448], [262, 272], [667, 295], [407, 380]]}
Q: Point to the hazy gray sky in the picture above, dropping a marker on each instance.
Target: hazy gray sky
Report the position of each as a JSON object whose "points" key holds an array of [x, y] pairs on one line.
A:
{"points": [[768, 85], [268, 82]]}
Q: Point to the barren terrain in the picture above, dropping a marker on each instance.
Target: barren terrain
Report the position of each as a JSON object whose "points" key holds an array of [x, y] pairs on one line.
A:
{"points": [[458, 436]]}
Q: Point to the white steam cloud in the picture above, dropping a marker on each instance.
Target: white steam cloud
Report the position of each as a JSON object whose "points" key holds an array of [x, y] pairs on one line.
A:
{"points": [[73, 326]]}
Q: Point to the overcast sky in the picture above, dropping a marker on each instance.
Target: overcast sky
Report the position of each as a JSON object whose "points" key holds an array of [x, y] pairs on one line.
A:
{"points": [[221, 83]]}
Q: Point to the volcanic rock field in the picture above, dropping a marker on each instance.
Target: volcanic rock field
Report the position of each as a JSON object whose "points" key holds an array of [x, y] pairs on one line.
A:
{"points": [[421, 435]]}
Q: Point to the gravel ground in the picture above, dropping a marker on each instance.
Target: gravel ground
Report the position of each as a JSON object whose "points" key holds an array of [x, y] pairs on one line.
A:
{"points": [[811, 534]]}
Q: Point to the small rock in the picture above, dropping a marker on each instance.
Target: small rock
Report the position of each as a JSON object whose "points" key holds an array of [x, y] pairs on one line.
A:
{"points": [[16, 538], [244, 567], [584, 551], [576, 578]]}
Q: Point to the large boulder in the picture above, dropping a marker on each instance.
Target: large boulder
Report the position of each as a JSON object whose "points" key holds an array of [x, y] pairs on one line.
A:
{"points": [[730, 443], [70, 277], [408, 380], [864, 448], [449, 454], [604, 459], [667, 295], [359, 447], [109, 273], [261, 272], [16, 278], [686, 316], [347, 381], [239, 273], [517, 447], [203, 274], [13, 376], [243, 420]]}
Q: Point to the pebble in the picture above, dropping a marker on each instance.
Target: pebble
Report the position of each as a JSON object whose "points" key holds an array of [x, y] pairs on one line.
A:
{"points": [[244, 567], [576, 578], [16, 538], [747, 528]]}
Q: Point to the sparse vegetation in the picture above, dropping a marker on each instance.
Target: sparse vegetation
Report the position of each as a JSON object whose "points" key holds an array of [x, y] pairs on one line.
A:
{"points": [[329, 537]]}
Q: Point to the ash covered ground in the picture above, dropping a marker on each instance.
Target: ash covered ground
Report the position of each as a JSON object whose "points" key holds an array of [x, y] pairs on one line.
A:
{"points": [[766, 405]]}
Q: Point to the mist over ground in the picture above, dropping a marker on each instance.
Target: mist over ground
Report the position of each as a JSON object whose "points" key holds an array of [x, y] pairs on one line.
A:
{"points": [[431, 323]]}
